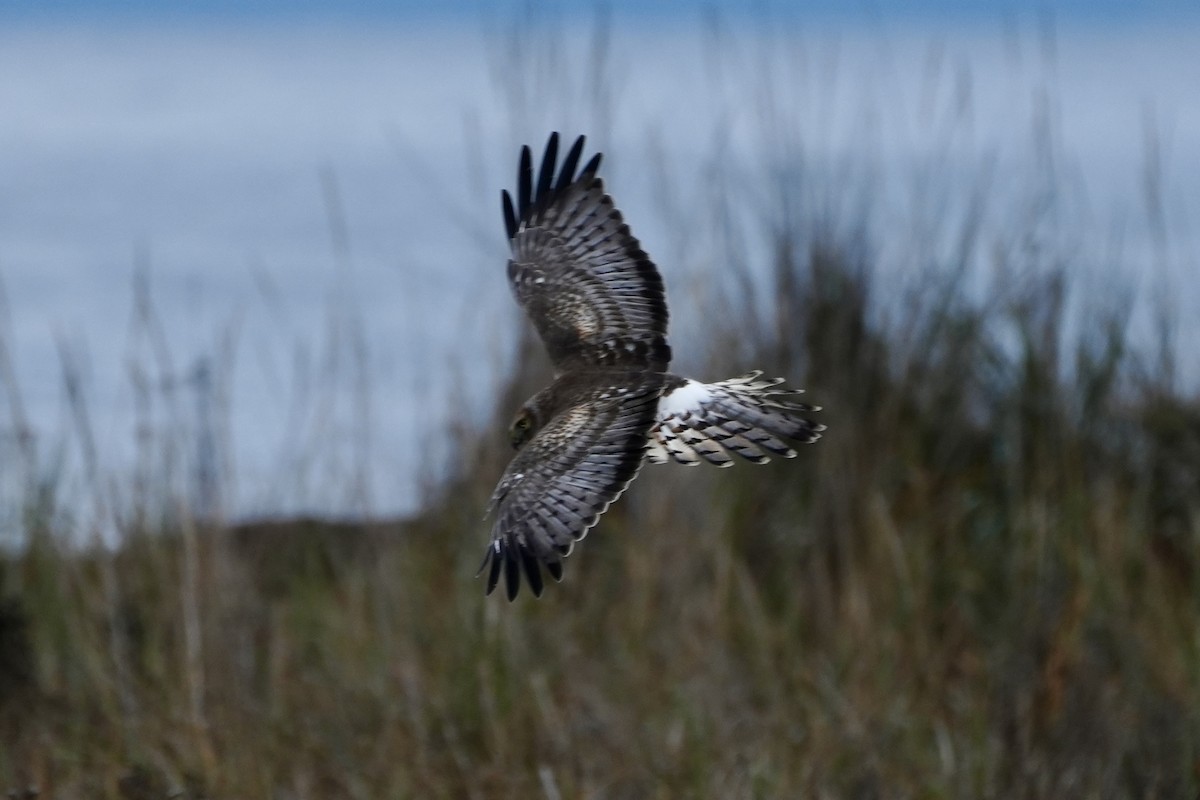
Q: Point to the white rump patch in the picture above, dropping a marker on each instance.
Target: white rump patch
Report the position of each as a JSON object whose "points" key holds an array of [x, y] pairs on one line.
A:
{"points": [[687, 399]]}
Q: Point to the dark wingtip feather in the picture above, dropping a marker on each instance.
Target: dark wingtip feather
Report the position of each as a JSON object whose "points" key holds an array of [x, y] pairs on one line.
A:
{"points": [[536, 191], [525, 182], [532, 573], [494, 574], [512, 573], [567, 174], [546, 175], [592, 167], [510, 216], [513, 560]]}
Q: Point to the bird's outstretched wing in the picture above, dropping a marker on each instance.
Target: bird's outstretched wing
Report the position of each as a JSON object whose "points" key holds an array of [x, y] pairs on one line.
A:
{"points": [[593, 294], [559, 484]]}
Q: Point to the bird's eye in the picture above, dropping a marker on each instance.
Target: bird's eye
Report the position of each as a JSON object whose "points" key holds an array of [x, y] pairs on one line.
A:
{"points": [[519, 431]]}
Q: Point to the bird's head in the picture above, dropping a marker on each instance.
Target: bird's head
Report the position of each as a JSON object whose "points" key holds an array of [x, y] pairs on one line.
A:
{"points": [[523, 426]]}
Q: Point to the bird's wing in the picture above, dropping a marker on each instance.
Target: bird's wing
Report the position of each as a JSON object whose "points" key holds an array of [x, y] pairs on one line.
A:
{"points": [[565, 477], [593, 294]]}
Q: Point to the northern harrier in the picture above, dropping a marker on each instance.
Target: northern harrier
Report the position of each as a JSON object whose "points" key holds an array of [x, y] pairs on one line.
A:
{"points": [[598, 304]]}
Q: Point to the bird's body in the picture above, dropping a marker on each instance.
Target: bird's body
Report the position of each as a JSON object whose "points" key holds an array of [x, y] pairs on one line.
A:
{"points": [[599, 305]]}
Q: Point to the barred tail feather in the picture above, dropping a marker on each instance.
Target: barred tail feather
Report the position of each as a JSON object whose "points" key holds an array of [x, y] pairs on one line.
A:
{"points": [[745, 416]]}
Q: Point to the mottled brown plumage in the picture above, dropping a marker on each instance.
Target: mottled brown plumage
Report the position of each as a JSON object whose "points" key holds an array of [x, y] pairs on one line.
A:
{"points": [[590, 443], [599, 305]]}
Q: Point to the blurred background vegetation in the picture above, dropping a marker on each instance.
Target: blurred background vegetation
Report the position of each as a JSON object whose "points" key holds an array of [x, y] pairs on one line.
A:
{"points": [[982, 582]]}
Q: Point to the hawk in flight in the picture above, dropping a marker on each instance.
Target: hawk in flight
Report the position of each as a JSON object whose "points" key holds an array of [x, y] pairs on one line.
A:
{"points": [[598, 304]]}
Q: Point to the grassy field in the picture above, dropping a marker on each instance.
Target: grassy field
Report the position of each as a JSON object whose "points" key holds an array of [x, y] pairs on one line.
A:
{"points": [[982, 583]]}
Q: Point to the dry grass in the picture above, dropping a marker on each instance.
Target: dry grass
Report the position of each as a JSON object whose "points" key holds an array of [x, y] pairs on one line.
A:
{"points": [[981, 583]]}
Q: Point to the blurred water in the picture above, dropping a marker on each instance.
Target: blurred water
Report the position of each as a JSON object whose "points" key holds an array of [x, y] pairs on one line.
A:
{"points": [[315, 209]]}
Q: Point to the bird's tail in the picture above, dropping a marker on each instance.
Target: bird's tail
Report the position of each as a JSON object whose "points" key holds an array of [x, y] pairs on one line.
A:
{"points": [[747, 416]]}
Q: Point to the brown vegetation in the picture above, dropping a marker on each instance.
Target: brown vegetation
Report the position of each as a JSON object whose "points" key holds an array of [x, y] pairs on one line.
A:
{"points": [[981, 582]]}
